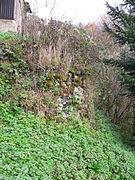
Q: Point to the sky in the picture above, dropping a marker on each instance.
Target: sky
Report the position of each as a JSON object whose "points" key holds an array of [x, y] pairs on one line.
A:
{"points": [[76, 11]]}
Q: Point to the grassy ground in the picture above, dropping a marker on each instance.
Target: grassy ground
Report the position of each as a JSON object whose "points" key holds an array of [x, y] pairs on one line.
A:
{"points": [[32, 148]]}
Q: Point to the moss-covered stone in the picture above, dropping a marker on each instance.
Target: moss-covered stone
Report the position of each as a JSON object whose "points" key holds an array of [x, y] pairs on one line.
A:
{"points": [[64, 76], [57, 76], [50, 76]]}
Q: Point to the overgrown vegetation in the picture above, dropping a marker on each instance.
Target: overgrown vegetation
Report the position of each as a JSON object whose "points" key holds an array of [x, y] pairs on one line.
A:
{"points": [[50, 85], [43, 71]]}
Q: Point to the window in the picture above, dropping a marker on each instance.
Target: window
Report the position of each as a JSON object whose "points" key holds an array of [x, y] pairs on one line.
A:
{"points": [[7, 9]]}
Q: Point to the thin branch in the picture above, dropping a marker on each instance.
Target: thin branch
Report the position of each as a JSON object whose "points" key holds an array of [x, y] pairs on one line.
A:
{"points": [[125, 109], [51, 11]]}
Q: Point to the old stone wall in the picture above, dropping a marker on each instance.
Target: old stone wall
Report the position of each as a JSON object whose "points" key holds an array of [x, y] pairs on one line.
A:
{"points": [[8, 25], [19, 6]]}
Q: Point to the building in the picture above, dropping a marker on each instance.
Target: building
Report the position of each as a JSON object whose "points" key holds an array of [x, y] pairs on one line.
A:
{"points": [[11, 15]]}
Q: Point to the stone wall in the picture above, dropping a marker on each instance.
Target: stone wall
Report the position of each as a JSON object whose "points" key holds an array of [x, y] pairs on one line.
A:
{"points": [[16, 24], [8, 25], [19, 6]]}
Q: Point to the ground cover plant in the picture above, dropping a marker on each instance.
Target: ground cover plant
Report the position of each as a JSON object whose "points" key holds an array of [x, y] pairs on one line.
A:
{"points": [[33, 148]]}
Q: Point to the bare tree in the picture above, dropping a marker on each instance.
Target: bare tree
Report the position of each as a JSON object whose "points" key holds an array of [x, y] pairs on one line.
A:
{"points": [[48, 4]]}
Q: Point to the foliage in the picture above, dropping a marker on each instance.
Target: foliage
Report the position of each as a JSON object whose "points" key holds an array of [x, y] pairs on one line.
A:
{"points": [[122, 26], [123, 29], [9, 36], [37, 148], [106, 44], [125, 65]]}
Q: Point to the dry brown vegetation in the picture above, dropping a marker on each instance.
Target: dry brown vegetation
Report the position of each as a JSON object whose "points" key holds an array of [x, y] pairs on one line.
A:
{"points": [[112, 96]]}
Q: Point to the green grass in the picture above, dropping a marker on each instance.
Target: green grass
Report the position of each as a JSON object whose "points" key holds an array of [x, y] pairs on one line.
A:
{"points": [[32, 148]]}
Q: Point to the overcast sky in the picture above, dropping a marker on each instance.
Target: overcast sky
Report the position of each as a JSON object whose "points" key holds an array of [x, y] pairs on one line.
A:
{"points": [[84, 11]]}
